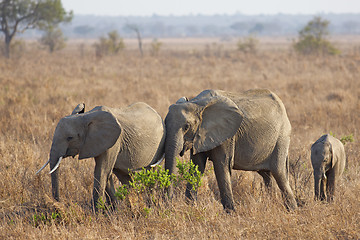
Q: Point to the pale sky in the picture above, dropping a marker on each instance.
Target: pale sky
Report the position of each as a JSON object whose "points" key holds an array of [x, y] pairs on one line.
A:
{"points": [[209, 7]]}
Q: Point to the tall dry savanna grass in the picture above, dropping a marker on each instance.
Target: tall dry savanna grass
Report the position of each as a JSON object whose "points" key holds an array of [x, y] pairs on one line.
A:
{"points": [[321, 94]]}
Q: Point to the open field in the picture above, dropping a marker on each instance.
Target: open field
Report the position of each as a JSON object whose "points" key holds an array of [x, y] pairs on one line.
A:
{"points": [[321, 94]]}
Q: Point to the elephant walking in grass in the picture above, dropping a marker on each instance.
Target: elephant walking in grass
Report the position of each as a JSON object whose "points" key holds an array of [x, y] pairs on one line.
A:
{"points": [[119, 139], [328, 161], [243, 131]]}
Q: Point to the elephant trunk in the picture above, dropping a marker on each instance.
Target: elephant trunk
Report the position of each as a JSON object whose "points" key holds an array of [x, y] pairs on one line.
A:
{"points": [[54, 163], [173, 147]]}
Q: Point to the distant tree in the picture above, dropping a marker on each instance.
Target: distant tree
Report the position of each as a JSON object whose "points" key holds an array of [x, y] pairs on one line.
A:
{"points": [[53, 38], [192, 30], [312, 38], [351, 27], [241, 27], [248, 45], [83, 29], [155, 47], [110, 45], [257, 28], [19, 15], [136, 29]]}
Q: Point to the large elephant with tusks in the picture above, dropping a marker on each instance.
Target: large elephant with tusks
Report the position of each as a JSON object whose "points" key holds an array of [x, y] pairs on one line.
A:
{"points": [[119, 139], [242, 131]]}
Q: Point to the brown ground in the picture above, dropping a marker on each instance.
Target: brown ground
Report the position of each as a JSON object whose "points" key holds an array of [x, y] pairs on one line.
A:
{"points": [[321, 94]]}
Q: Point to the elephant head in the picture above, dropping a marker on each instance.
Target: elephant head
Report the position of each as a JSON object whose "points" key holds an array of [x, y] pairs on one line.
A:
{"points": [[85, 134], [201, 124], [322, 161]]}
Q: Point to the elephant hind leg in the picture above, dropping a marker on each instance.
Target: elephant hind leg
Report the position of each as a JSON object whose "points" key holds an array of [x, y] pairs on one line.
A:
{"points": [[123, 177], [283, 183], [280, 169], [266, 175]]}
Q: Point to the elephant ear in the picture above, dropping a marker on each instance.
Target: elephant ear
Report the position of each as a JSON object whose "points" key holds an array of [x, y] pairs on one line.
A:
{"points": [[332, 162], [102, 132], [335, 150], [221, 119]]}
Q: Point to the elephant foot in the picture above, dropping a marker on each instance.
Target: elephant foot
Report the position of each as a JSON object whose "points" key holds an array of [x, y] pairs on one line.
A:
{"points": [[190, 195], [291, 204], [228, 206]]}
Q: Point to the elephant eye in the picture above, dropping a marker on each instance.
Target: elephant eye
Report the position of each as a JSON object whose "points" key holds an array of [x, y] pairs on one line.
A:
{"points": [[69, 138]]}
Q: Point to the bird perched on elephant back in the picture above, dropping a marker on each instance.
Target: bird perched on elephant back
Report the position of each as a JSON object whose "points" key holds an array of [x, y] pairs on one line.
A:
{"points": [[242, 131], [119, 139], [328, 160]]}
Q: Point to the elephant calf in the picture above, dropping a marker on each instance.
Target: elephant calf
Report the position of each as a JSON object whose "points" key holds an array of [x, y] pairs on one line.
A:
{"points": [[328, 161], [119, 139]]}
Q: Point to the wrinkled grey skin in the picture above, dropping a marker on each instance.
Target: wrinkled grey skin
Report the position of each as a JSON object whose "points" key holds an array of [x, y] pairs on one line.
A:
{"points": [[328, 161], [118, 139], [243, 131]]}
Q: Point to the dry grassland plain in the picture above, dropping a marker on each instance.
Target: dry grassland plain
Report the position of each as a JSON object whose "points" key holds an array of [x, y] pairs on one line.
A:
{"points": [[321, 94]]}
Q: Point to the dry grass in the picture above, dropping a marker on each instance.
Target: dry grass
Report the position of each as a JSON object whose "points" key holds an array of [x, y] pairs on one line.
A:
{"points": [[37, 89]]}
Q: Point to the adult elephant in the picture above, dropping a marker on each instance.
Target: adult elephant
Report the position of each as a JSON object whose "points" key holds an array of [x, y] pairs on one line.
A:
{"points": [[243, 131], [119, 139], [328, 160]]}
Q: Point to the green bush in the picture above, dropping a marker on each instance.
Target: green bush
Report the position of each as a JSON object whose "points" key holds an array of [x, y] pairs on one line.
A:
{"points": [[189, 173], [112, 44], [53, 38], [344, 139], [155, 47], [157, 180], [248, 45], [312, 39]]}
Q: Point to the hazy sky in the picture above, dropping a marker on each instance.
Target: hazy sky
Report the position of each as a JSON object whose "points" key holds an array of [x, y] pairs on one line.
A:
{"points": [[183, 7]]}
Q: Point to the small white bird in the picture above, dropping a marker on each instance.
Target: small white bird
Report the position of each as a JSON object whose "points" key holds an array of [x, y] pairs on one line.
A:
{"points": [[79, 109]]}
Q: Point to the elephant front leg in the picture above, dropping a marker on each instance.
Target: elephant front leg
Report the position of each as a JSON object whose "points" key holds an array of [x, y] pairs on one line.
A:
{"points": [[101, 177], [200, 161], [330, 186], [222, 158], [323, 189], [110, 191]]}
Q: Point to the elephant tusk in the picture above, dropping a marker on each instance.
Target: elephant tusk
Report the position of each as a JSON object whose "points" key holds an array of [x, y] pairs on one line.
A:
{"points": [[43, 167], [158, 162], [56, 166], [324, 176]]}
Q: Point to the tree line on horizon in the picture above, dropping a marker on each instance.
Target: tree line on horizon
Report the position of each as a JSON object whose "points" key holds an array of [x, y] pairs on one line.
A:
{"points": [[28, 18]]}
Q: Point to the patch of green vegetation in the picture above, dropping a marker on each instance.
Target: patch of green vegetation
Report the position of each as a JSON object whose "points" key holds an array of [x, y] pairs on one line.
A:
{"points": [[149, 182], [312, 39]]}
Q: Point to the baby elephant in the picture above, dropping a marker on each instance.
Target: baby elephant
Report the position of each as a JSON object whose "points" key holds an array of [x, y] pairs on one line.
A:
{"points": [[328, 161]]}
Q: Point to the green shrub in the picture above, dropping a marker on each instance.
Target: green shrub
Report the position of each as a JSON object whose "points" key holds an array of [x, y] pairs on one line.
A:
{"points": [[156, 180], [312, 39], [113, 44], [155, 47], [248, 45], [344, 139], [53, 38], [189, 173], [47, 218]]}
